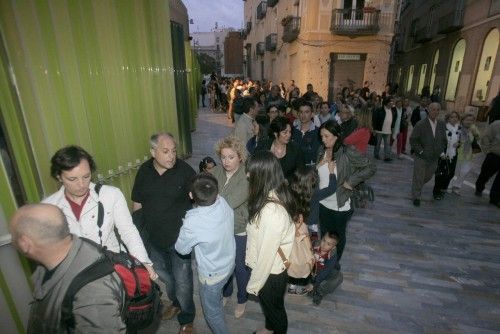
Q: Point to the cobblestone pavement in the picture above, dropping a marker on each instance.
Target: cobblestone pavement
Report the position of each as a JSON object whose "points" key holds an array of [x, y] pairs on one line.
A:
{"points": [[433, 269]]}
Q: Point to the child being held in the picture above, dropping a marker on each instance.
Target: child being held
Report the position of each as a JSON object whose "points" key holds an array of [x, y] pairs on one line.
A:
{"points": [[326, 275], [209, 229]]}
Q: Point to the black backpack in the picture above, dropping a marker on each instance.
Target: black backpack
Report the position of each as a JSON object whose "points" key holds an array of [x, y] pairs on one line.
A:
{"points": [[142, 300]]}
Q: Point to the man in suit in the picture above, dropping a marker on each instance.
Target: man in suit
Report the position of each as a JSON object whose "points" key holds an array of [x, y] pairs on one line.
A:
{"points": [[428, 142]]}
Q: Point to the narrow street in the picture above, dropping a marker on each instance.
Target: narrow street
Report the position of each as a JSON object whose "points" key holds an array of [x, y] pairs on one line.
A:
{"points": [[406, 270]]}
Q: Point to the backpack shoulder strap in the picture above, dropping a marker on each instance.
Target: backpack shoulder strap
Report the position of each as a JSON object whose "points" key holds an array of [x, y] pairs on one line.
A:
{"points": [[96, 270]]}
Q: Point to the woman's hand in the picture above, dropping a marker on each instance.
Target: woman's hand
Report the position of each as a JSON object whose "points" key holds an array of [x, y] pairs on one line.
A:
{"points": [[347, 185], [152, 273]]}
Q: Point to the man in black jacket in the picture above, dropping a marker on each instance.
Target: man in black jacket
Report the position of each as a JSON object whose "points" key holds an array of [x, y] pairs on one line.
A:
{"points": [[383, 120], [420, 112]]}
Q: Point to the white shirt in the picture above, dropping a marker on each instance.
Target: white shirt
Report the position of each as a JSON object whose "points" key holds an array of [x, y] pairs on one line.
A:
{"points": [[331, 201], [433, 126]]}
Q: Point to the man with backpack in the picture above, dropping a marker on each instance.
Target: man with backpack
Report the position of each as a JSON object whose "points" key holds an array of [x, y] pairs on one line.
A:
{"points": [[40, 232]]}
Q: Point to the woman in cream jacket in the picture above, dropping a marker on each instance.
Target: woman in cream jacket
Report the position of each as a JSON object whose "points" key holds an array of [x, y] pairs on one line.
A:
{"points": [[270, 208]]}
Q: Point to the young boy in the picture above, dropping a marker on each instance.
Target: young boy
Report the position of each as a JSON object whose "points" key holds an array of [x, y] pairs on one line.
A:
{"points": [[326, 274], [209, 229]]}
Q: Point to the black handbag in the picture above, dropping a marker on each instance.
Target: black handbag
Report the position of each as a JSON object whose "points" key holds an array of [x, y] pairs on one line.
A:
{"points": [[443, 167]]}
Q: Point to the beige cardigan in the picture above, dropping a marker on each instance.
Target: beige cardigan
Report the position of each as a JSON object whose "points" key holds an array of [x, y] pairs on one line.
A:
{"points": [[272, 228]]}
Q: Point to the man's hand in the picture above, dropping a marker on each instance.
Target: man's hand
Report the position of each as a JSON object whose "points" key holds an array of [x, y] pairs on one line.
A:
{"points": [[347, 185]]}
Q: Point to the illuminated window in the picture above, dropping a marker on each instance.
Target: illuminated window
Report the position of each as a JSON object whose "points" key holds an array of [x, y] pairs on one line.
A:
{"points": [[485, 70], [398, 78], [409, 78], [421, 80], [433, 69], [455, 67]]}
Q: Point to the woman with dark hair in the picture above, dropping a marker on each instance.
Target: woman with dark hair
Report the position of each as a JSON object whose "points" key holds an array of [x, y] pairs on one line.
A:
{"points": [[72, 166], [270, 230], [207, 164], [288, 153], [351, 168]]}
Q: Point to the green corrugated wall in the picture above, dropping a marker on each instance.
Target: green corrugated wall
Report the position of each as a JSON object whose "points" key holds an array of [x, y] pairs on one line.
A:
{"points": [[98, 73]]}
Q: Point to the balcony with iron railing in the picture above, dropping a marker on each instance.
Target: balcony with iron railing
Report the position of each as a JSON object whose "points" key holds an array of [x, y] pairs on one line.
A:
{"points": [[423, 35], [271, 42], [450, 22], [260, 48], [261, 10], [291, 28], [272, 3], [248, 27], [355, 22]]}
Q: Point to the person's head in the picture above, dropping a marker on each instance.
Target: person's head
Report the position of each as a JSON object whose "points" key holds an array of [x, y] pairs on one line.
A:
{"points": [[423, 101], [39, 231], [262, 98], [364, 118], [434, 109], [468, 119], [304, 109], [310, 87], [275, 90], [163, 150], [346, 92], [280, 130], [302, 184], [406, 102], [204, 189], [292, 83], [366, 84], [231, 153], [265, 175], [324, 108], [329, 241], [453, 118], [346, 112], [272, 111], [207, 164], [399, 103], [387, 88], [250, 106], [73, 167], [331, 135], [262, 123], [387, 103]]}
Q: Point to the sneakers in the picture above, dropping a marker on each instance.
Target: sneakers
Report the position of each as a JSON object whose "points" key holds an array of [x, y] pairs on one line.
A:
{"points": [[416, 202], [438, 197], [171, 312], [186, 329], [299, 289], [239, 310], [387, 159]]}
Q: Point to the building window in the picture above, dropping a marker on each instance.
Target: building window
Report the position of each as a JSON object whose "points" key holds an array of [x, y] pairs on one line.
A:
{"points": [[409, 79], [433, 69], [421, 79], [485, 70], [455, 67]]}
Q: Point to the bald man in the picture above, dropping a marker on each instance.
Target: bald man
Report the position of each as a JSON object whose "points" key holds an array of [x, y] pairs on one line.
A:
{"points": [[428, 142], [40, 232]]}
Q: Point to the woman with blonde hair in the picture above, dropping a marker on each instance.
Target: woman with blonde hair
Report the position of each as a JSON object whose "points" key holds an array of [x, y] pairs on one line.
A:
{"points": [[233, 187]]}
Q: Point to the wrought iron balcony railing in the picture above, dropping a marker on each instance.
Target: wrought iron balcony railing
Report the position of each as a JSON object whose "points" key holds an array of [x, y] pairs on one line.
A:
{"points": [[261, 10], [423, 35], [291, 29], [271, 42], [450, 22], [355, 22], [261, 48], [272, 3]]}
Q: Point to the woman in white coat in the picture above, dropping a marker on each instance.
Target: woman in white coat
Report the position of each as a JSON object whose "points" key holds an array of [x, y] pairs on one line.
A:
{"points": [[78, 200]]}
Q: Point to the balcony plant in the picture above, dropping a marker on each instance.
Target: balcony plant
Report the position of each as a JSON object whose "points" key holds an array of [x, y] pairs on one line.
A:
{"points": [[368, 8], [286, 20]]}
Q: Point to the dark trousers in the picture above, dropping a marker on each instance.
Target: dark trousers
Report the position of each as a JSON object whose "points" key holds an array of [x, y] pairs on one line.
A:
{"points": [[335, 221], [272, 301], [490, 166], [241, 272], [442, 181], [422, 173]]}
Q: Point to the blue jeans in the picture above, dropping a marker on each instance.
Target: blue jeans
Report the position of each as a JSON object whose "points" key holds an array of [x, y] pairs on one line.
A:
{"points": [[241, 271], [387, 147], [175, 271], [211, 301]]}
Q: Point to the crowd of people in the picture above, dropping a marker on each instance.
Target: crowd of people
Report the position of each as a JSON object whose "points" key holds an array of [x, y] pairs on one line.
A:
{"points": [[290, 169]]}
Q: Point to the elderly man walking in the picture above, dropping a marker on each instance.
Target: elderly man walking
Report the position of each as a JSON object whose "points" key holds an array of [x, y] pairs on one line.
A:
{"points": [[428, 142], [41, 233], [161, 190]]}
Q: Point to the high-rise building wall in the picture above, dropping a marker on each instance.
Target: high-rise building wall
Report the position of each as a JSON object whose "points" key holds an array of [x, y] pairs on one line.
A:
{"points": [[450, 46], [233, 51], [331, 44]]}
